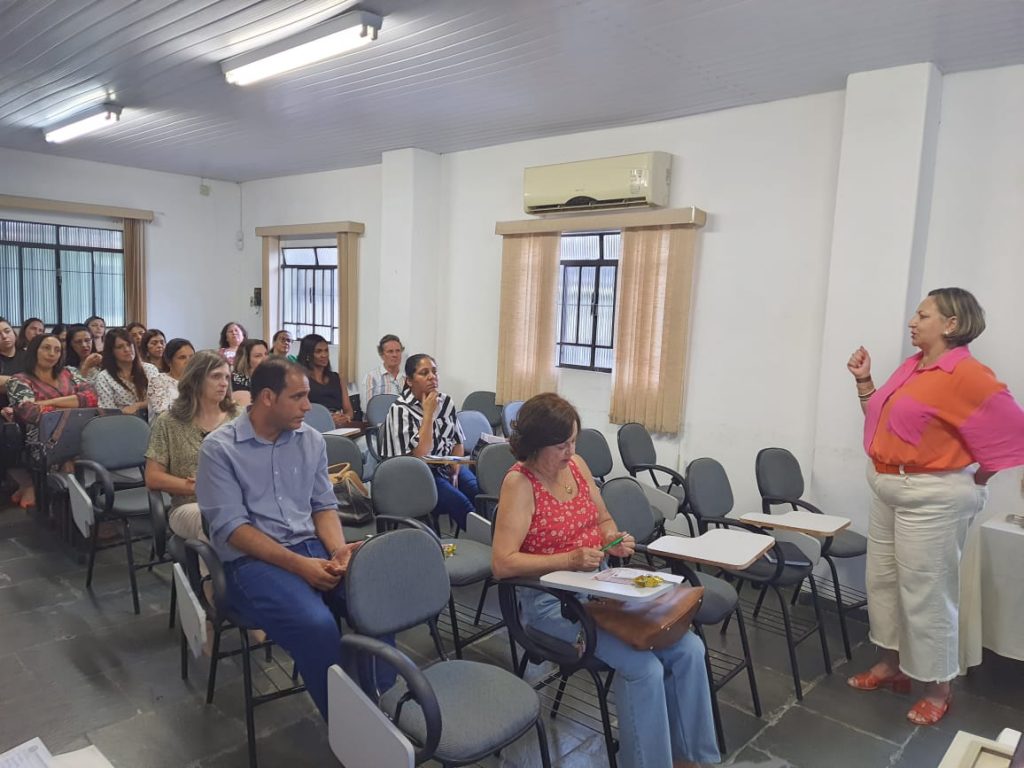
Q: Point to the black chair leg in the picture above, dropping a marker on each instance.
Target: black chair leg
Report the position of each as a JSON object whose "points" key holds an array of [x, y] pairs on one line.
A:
{"points": [[839, 608], [480, 604], [606, 720], [715, 713], [250, 720], [796, 592], [174, 602], [558, 696], [183, 650], [93, 543], [130, 554], [754, 696], [455, 627], [821, 625], [542, 741], [790, 645], [760, 601], [725, 624], [211, 682]]}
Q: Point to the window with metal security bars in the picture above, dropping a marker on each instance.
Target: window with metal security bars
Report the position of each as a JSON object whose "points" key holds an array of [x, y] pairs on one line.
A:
{"points": [[61, 274], [587, 285], [308, 290]]}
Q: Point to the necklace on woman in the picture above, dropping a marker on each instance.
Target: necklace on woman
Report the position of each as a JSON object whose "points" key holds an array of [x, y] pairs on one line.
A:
{"points": [[567, 487]]}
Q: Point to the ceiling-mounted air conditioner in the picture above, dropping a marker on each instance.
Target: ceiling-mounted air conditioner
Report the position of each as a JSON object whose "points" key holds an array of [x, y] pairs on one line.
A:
{"points": [[626, 181]]}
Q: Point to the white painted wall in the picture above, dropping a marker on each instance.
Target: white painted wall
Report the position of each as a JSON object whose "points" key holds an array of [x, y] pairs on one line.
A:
{"points": [[767, 176], [352, 194], [191, 237]]}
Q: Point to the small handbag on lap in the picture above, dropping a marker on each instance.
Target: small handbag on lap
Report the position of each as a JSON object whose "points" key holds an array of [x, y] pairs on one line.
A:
{"points": [[651, 625]]}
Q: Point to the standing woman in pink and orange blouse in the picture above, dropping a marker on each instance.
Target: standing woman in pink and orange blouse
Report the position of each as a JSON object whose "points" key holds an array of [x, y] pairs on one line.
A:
{"points": [[936, 432]]}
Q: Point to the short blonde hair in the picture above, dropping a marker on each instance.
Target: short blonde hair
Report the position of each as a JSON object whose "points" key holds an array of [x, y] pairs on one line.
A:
{"points": [[961, 304]]}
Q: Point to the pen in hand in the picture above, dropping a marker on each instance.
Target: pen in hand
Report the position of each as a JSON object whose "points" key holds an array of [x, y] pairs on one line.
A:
{"points": [[611, 544]]}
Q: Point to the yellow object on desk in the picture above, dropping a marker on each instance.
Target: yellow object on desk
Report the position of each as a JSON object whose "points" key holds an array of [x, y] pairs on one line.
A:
{"points": [[647, 581]]}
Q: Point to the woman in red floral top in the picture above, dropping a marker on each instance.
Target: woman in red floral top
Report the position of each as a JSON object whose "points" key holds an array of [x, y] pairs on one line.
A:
{"points": [[553, 518]]}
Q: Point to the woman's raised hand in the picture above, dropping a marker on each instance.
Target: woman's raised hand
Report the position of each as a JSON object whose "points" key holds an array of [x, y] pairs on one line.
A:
{"points": [[859, 363], [585, 559]]}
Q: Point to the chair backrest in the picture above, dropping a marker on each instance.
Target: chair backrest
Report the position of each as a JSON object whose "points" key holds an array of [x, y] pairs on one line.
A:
{"points": [[403, 486], [319, 418], [593, 448], [484, 402], [492, 465], [343, 449], [778, 474], [115, 442], [708, 489], [378, 407], [508, 415], [395, 581], [628, 505], [635, 446], [473, 424]]}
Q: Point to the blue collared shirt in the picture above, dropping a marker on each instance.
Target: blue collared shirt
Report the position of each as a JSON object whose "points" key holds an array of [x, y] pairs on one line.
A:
{"points": [[275, 487]]}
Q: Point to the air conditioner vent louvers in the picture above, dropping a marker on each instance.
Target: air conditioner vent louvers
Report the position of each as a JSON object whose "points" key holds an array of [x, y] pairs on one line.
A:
{"points": [[626, 181]]}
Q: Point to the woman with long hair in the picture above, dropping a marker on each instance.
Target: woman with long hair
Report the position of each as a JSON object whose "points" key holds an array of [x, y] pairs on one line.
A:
{"points": [[136, 330], [325, 386], [31, 328], [251, 353], [151, 348], [79, 353], [231, 337], [123, 383], [204, 403], [98, 328], [163, 389], [61, 332], [45, 384]]}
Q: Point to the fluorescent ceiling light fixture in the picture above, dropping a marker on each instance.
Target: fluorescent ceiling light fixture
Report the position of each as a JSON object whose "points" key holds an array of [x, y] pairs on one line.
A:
{"points": [[324, 41], [108, 113]]}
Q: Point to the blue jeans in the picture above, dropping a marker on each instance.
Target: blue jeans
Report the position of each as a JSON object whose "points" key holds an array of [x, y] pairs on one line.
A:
{"points": [[296, 616], [457, 503], [663, 699]]}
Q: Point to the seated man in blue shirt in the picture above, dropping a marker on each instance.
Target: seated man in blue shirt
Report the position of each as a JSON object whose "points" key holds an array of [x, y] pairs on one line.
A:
{"points": [[263, 488]]}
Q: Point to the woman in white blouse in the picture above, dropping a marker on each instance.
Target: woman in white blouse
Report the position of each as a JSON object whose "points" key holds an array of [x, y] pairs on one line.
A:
{"points": [[163, 390], [124, 380]]}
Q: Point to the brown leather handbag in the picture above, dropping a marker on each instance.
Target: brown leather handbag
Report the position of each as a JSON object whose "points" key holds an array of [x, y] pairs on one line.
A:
{"points": [[650, 625]]}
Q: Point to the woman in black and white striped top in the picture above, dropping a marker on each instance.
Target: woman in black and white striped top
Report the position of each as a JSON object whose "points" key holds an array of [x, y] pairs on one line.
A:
{"points": [[422, 422]]}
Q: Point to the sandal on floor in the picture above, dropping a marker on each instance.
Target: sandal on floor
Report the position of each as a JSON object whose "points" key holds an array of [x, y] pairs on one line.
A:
{"points": [[869, 681], [926, 712]]}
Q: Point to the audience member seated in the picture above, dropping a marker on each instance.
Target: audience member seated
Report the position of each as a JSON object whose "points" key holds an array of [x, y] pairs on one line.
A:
{"points": [[12, 359], [44, 385], [263, 488], [78, 352], [251, 353], [423, 422], [61, 332], [163, 388], [203, 404], [552, 518], [325, 386], [98, 329], [231, 337], [388, 378], [124, 380], [137, 331], [151, 348], [31, 328], [282, 345]]}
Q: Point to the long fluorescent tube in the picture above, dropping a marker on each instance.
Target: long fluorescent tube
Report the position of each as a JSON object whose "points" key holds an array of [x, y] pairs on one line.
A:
{"points": [[324, 41], [96, 118]]}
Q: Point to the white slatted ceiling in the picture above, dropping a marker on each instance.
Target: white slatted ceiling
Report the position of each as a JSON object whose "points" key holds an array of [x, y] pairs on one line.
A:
{"points": [[446, 74]]}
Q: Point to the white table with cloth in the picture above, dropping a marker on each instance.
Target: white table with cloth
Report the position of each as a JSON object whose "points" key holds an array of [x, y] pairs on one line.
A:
{"points": [[992, 589]]}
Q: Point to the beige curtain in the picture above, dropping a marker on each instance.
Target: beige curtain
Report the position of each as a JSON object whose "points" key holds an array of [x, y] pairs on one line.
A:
{"points": [[134, 270], [526, 326], [348, 303], [652, 327]]}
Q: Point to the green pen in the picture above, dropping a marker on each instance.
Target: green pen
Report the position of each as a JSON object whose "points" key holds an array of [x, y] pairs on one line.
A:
{"points": [[611, 544]]}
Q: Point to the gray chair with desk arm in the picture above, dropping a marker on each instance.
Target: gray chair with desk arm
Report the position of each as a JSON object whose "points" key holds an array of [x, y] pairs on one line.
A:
{"points": [[710, 498], [376, 413], [592, 447], [484, 401], [473, 424], [628, 505], [780, 482], [404, 489], [636, 449], [397, 581], [492, 464], [319, 418]]}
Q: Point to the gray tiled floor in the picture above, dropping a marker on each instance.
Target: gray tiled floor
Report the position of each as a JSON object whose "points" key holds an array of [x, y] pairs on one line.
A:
{"points": [[78, 667]]}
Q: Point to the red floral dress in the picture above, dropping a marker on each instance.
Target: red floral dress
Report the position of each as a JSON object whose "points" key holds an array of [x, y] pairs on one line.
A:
{"points": [[560, 526]]}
